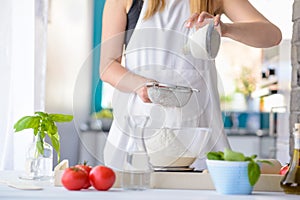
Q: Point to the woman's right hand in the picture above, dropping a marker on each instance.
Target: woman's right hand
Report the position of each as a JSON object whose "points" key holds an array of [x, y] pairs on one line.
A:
{"points": [[142, 92]]}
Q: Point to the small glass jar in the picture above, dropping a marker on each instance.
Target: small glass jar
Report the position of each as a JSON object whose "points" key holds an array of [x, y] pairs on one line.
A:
{"points": [[39, 166]]}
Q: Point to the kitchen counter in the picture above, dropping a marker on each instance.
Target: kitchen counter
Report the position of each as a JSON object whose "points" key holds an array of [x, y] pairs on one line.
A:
{"points": [[48, 191]]}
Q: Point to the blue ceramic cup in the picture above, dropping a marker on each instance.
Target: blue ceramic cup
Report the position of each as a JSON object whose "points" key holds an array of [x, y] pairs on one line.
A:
{"points": [[229, 177]]}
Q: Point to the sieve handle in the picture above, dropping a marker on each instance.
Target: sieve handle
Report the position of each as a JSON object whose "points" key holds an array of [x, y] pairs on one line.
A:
{"points": [[195, 90]]}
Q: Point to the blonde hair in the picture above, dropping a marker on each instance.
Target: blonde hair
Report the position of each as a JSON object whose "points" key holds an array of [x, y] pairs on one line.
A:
{"points": [[197, 6]]}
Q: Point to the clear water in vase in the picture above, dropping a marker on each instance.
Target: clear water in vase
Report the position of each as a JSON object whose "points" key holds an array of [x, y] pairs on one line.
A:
{"points": [[37, 166]]}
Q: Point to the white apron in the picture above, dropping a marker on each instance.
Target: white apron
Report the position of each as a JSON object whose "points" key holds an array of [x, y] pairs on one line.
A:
{"points": [[155, 51]]}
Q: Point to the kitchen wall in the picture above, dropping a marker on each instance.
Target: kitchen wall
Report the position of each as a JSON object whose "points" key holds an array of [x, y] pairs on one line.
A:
{"points": [[295, 94], [68, 72], [283, 102]]}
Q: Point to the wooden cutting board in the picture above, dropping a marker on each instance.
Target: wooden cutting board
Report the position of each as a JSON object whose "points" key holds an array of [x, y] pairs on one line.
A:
{"points": [[203, 181]]}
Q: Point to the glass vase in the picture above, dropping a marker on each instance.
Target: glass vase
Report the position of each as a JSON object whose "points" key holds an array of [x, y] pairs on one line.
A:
{"points": [[39, 166]]}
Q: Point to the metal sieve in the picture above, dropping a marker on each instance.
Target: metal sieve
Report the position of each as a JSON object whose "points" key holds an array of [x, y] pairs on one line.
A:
{"points": [[169, 95]]}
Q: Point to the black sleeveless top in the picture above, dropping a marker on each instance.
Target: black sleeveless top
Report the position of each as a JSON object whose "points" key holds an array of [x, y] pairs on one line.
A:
{"points": [[132, 18]]}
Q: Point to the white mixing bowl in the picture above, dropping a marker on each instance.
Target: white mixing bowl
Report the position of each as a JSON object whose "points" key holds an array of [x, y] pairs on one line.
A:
{"points": [[175, 147]]}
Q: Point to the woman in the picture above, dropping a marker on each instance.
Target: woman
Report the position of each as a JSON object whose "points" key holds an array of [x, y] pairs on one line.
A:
{"points": [[154, 53]]}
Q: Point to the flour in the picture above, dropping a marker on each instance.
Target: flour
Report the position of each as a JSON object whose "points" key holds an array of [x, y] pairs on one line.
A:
{"points": [[166, 149]]}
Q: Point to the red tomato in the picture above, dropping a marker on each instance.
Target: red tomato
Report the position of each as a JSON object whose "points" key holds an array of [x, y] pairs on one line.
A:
{"points": [[74, 178], [102, 177], [87, 168], [284, 169]]}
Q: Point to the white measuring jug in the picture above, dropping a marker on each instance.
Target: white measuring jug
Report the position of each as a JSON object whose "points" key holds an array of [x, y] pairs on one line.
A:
{"points": [[203, 43]]}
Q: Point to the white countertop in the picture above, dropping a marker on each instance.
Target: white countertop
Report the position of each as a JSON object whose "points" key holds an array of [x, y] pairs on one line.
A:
{"points": [[51, 192]]}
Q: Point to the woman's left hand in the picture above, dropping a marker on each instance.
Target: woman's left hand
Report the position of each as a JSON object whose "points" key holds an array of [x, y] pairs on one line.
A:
{"points": [[198, 20]]}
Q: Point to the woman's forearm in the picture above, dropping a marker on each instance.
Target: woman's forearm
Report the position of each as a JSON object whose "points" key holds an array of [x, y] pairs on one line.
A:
{"points": [[249, 26], [256, 34], [122, 79]]}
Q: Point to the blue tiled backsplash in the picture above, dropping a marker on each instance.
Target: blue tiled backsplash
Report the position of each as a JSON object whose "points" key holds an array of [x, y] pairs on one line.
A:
{"points": [[246, 120]]}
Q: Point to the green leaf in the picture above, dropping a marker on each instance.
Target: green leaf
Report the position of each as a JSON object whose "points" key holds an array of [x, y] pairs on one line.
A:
{"points": [[41, 114], [253, 172], [230, 155], [53, 130], [215, 155], [50, 126], [35, 131], [40, 144], [42, 134], [55, 143], [26, 123], [61, 117], [45, 125], [247, 158]]}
